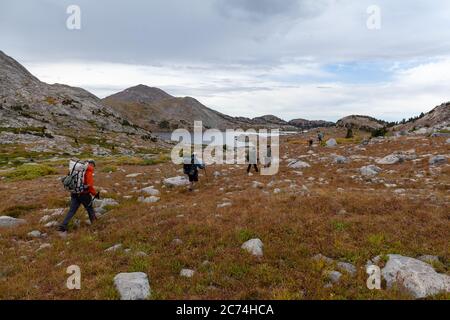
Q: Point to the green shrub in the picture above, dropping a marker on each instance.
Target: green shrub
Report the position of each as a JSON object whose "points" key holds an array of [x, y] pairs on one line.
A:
{"points": [[29, 172]]}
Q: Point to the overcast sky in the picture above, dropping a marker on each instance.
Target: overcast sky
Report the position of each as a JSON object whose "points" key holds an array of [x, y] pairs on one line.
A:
{"points": [[313, 59]]}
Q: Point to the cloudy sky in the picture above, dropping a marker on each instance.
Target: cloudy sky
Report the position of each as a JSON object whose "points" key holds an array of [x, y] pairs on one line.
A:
{"points": [[314, 59]]}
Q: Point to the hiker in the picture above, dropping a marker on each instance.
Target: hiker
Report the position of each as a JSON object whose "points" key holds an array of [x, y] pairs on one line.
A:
{"points": [[82, 190], [190, 168], [268, 157], [252, 160], [320, 137], [310, 143]]}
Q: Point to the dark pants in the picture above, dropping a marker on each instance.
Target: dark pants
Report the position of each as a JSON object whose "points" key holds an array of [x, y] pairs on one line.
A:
{"points": [[76, 200], [250, 166]]}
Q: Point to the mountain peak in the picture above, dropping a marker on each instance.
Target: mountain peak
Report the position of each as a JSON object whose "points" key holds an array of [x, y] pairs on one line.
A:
{"points": [[140, 94]]}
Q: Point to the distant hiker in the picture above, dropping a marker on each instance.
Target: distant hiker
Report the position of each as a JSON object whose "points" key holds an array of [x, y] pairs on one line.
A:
{"points": [[310, 143], [268, 157], [190, 167], [252, 159], [80, 183], [320, 137]]}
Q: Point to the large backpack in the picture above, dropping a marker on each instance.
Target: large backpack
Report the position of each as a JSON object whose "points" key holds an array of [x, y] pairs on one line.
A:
{"points": [[74, 181]]}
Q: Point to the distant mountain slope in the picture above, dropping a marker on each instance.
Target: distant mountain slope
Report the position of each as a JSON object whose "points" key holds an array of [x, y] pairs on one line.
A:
{"points": [[30, 106], [364, 123], [310, 124], [437, 118], [155, 110]]}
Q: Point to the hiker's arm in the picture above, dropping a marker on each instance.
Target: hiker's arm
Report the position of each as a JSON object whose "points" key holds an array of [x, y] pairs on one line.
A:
{"points": [[89, 179]]}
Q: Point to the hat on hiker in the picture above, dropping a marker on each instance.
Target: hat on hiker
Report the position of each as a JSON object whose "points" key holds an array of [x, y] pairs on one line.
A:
{"points": [[90, 161]]}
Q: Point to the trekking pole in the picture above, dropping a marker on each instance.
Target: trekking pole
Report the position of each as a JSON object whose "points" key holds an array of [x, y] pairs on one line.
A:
{"points": [[97, 196], [206, 176]]}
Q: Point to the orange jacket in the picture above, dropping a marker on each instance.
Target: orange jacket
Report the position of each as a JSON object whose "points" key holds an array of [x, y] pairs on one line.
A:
{"points": [[89, 180]]}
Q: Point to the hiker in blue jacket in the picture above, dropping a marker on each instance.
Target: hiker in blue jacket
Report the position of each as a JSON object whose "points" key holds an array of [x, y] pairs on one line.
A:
{"points": [[190, 167]]}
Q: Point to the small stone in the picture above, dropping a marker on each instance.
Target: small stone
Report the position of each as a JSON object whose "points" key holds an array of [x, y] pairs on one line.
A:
{"points": [[114, 248], [35, 234], [132, 286], [9, 222], [188, 273], [254, 246]]}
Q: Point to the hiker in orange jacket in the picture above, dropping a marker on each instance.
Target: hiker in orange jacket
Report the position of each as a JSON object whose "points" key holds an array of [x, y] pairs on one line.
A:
{"points": [[84, 198]]}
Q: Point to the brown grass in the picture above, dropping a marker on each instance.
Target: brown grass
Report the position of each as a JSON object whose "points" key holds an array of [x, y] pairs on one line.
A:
{"points": [[293, 226]]}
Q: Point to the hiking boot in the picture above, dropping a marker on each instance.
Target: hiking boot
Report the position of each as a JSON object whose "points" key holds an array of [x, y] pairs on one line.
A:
{"points": [[61, 228], [92, 219]]}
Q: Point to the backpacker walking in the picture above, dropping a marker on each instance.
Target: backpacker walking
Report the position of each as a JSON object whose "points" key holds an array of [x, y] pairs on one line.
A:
{"points": [[80, 183], [190, 167], [252, 159]]}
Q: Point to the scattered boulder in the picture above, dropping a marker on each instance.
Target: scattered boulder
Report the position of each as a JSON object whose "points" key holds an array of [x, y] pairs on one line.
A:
{"points": [[437, 160], [347, 267], [341, 160], [334, 276], [151, 199], [321, 257], [298, 164], [114, 248], [102, 204], [9, 222], [51, 224], [187, 273], [370, 170], [133, 175], [224, 204], [254, 246], [415, 276], [447, 141], [257, 185], [35, 234], [132, 286], [151, 191], [331, 143], [390, 159], [176, 181]]}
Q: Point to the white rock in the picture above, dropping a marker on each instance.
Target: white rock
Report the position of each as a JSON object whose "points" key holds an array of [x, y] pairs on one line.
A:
{"points": [[415, 276], [114, 248], [133, 175], [188, 273], [51, 224], [151, 191], [257, 185], [9, 222], [277, 190], [340, 160], [437, 160], [298, 164], [132, 286], [370, 170], [223, 205], [334, 276], [254, 246], [35, 234], [44, 246], [151, 199], [176, 181], [331, 143], [347, 267], [45, 219], [390, 159], [447, 141]]}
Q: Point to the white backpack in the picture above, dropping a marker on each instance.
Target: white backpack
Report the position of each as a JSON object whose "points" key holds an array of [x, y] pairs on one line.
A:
{"points": [[74, 181]]}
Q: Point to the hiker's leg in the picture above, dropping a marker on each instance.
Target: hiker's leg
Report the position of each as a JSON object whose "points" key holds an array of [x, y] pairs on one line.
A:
{"points": [[256, 167], [86, 200], [74, 205], [248, 168]]}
